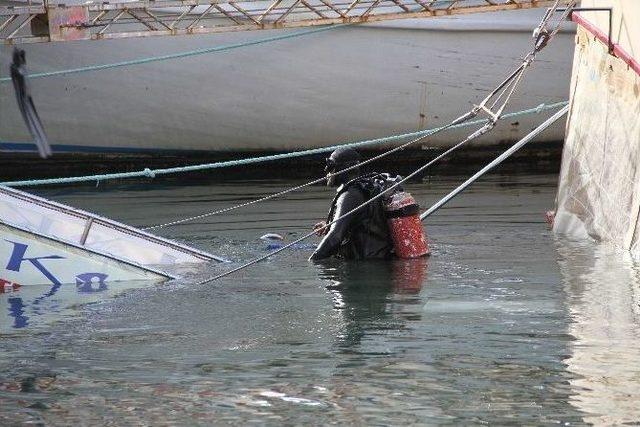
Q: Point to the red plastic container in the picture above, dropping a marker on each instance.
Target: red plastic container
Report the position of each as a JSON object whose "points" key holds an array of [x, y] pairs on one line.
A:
{"points": [[403, 217]]}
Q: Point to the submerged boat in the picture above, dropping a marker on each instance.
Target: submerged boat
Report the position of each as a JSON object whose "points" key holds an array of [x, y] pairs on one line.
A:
{"points": [[47, 243], [54, 256], [351, 83]]}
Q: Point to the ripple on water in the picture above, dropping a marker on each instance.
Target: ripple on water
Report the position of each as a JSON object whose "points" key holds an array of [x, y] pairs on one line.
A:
{"points": [[503, 324]]}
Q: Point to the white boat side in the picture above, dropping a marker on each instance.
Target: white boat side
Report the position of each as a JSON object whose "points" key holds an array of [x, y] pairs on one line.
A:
{"points": [[93, 232], [30, 259], [351, 83]]}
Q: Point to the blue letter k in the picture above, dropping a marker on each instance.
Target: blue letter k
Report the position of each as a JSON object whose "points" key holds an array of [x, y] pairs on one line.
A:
{"points": [[17, 257]]}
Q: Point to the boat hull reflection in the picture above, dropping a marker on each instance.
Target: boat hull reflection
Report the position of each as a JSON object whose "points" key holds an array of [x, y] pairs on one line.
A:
{"points": [[603, 289]]}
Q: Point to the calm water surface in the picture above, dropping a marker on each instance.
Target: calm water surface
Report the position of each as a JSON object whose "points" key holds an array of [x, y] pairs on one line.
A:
{"points": [[504, 324]]}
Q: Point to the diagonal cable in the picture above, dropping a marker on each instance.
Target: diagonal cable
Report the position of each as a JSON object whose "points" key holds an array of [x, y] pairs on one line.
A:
{"points": [[517, 75]]}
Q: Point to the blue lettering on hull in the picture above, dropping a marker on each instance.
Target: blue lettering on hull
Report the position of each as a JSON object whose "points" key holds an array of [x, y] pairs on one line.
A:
{"points": [[18, 257], [83, 280]]}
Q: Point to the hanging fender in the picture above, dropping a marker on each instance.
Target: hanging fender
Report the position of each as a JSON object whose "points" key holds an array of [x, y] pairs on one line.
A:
{"points": [[405, 227]]}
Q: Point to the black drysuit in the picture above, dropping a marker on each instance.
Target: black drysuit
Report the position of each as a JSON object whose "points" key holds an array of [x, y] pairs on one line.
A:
{"points": [[361, 235]]}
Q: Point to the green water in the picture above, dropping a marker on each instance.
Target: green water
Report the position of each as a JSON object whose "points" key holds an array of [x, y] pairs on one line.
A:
{"points": [[504, 324]]}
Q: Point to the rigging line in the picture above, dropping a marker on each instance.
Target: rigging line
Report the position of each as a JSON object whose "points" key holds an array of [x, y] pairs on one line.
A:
{"points": [[469, 138], [509, 88], [538, 109], [565, 16], [316, 181], [195, 52], [541, 37], [151, 173], [495, 162], [519, 71], [513, 88], [541, 34], [481, 131]]}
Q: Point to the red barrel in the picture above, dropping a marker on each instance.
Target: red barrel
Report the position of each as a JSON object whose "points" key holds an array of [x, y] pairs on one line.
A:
{"points": [[403, 217]]}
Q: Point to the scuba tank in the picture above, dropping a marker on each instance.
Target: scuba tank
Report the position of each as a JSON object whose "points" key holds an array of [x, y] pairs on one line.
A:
{"points": [[402, 214], [405, 227]]}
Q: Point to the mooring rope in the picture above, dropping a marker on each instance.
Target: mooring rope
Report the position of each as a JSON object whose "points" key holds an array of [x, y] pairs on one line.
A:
{"points": [[151, 173], [506, 87], [515, 147], [195, 52], [421, 135], [365, 203]]}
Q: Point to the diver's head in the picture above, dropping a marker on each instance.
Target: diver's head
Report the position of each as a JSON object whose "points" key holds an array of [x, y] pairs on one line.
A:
{"points": [[341, 159]]}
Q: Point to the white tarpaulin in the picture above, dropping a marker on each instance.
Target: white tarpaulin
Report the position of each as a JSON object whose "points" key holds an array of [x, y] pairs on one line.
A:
{"points": [[599, 189]]}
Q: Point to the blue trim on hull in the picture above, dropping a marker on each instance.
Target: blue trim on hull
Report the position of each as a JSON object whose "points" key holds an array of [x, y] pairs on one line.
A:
{"points": [[29, 147]]}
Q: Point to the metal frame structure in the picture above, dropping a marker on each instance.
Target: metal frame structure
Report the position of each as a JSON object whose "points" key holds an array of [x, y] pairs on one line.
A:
{"points": [[609, 11], [46, 21]]}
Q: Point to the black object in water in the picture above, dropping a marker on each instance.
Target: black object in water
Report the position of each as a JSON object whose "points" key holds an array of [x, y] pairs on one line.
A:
{"points": [[25, 103]]}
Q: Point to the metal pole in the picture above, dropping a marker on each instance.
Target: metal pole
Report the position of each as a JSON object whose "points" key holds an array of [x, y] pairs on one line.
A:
{"points": [[551, 120]]}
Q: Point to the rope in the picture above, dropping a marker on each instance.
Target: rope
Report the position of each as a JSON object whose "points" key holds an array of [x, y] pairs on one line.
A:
{"points": [[436, 206], [196, 52], [539, 109], [507, 86], [149, 173], [188, 53], [374, 198], [515, 147], [315, 181]]}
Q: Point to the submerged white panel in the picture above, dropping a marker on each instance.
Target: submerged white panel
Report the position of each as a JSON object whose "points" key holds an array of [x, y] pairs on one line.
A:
{"points": [[34, 217], [104, 238], [93, 232]]}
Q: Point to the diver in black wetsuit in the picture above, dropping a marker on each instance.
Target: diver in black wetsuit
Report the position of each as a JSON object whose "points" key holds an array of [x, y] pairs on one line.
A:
{"points": [[363, 234]]}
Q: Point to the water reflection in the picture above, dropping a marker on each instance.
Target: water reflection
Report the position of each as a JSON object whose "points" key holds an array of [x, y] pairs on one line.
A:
{"points": [[493, 334], [16, 310], [39, 305], [28, 301], [603, 288], [364, 292]]}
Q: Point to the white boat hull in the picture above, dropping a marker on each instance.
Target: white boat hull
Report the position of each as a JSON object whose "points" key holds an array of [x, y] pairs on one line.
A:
{"points": [[27, 259], [347, 84]]}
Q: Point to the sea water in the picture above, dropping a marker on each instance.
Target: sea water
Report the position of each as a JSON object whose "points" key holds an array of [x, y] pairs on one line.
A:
{"points": [[504, 324]]}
